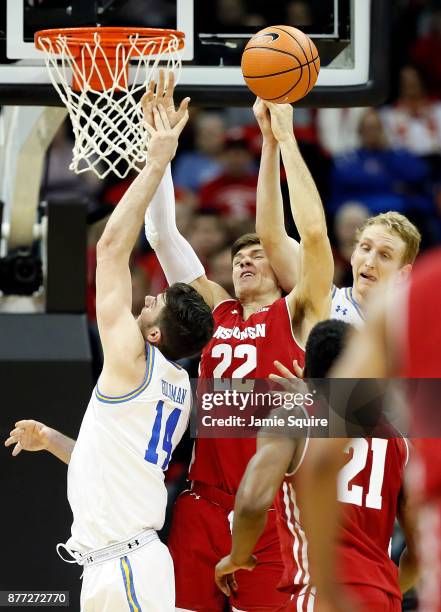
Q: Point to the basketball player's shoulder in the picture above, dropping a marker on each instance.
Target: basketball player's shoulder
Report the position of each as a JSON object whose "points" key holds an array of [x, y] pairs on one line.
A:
{"points": [[227, 308], [344, 306]]}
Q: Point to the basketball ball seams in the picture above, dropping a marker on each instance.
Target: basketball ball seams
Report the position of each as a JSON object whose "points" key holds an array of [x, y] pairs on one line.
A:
{"points": [[284, 72], [272, 50], [293, 37], [263, 76], [290, 89]]}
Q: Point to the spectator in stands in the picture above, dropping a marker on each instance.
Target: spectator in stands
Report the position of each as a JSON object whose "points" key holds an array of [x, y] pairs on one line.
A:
{"points": [[233, 193], [219, 267], [337, 128], [377, 176], [349, 218], [426, 54], [298, 13], [60, 182], [414, 121], [193, 168], [207, 234]]}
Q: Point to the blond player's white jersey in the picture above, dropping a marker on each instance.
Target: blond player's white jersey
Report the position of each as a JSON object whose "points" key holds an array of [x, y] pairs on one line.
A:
{"points": [[345, 308], [116, 472]]}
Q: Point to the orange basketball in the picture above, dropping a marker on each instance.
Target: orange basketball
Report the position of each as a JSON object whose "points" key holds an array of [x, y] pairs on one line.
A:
{"points": [[280, 64]]}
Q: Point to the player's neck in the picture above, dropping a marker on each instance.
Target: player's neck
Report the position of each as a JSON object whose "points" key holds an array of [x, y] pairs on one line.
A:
{"points": [[358, 297], [252, 303]]}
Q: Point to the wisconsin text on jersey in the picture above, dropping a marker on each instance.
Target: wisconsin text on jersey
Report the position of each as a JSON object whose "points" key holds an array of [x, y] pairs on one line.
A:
{"points": [[177, 394], [258, 331]]}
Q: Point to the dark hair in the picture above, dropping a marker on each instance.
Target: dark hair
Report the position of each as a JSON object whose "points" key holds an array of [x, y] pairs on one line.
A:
{"points": [[325, 343], [186, 322], [244, 241]]}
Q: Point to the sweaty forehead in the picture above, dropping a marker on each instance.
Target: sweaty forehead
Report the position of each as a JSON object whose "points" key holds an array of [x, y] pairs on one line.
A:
{"points": [[382, 237]]}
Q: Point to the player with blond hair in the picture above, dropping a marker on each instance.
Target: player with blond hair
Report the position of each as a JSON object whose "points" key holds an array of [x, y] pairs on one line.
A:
{"points": [[387, 244]]}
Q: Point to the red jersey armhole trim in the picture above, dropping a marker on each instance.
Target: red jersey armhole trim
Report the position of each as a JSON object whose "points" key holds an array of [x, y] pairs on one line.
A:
{"points": [[299, 344], [223, 302]]}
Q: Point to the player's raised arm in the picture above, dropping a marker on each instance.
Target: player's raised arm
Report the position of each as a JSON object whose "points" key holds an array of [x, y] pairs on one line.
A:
{"points": [[258, 488], [312, 295], [176, 256], [122, 340], [30, 435], [282, 251]]}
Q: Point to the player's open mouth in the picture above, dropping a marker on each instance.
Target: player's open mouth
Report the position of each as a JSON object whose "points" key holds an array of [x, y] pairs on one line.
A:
{"points": [[368, 277], [246, 275]]}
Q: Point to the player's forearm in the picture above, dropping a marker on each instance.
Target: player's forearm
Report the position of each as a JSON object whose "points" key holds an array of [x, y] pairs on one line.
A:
{"points": [[60, 446], [270, 222], [407, 570], [248, 526], [175, 254], [122, 229], [306, 204], [321, 513]]}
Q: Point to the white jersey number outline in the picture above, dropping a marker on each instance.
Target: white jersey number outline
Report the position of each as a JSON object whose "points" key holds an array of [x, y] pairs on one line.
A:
{"points": [[353, 494]]}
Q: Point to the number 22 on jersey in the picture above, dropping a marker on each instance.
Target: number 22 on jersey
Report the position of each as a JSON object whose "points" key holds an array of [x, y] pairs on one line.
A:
{"points": [[355, 494]]}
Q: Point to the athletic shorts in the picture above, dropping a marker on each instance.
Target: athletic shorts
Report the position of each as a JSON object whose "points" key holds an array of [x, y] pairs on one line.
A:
{"points": [[200, 536], [368, 599], [141, 580]]}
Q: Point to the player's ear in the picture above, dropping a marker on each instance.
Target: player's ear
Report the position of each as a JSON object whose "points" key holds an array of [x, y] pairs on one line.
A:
{"points": [[154, 335], [404, 272]]}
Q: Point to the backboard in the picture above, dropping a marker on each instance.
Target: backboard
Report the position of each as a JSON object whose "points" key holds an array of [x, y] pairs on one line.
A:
{"points": [[351, 36]]}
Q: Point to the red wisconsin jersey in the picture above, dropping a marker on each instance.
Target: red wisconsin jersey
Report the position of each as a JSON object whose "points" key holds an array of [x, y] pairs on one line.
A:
{"points": [[368, 488], [422, 341], [241, 349]]}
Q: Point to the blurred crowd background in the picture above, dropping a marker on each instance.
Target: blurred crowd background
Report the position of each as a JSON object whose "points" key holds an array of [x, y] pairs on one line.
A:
{"points": [[364, 160]]}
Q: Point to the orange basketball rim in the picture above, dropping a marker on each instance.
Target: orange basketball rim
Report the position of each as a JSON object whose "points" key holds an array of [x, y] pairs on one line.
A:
{"points": [[96, 51]]}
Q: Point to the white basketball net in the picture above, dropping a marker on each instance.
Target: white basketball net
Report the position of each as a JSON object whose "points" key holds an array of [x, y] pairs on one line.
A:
{"points": [[108, 125]]}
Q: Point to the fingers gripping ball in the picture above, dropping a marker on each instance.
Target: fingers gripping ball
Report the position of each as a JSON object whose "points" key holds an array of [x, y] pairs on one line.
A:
{"points": [[280, 64]]}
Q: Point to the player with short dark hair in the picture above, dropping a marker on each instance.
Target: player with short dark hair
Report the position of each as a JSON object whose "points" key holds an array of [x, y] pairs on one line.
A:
{"points": [[324, 345], [185, 322], [251, 331], [368, 506], [136, 416]]}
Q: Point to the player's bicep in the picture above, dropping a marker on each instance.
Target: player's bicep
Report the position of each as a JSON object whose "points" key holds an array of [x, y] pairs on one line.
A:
{"points": [[284, 258], [211, 292], [120, 335], [314, 287]]}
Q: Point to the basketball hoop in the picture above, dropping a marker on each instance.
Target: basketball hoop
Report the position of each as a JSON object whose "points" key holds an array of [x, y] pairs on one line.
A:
{"points": [[89, 68]]}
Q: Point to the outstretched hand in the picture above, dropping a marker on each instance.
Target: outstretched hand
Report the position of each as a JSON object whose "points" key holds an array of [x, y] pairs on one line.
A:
{"points": [[281, 120], [224, 573], [28, 435], [161, 94], [289, 380], [164, 138], [263, 118]]}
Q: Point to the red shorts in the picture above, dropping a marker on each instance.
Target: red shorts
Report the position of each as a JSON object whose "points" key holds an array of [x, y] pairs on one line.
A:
{"points": [[200, 536], [367, 598]]}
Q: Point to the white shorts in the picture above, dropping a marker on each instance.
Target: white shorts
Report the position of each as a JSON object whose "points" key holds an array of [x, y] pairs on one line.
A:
{"points": [[140, 581]]}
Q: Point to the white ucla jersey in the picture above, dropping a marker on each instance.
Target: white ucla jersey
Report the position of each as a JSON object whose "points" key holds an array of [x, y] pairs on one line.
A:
{"points": [[116, 472], [345, 308]]}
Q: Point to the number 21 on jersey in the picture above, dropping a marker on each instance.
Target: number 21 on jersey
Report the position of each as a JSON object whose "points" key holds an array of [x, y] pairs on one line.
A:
{"points": [[354, 494]]}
